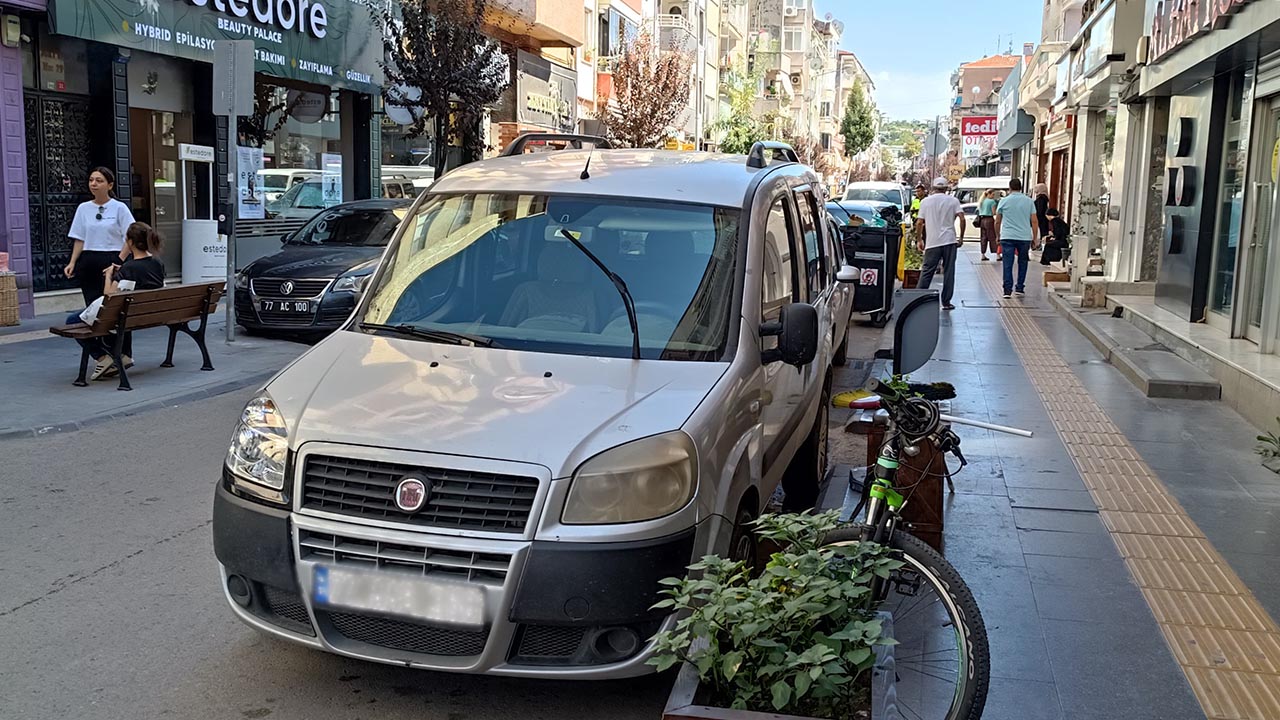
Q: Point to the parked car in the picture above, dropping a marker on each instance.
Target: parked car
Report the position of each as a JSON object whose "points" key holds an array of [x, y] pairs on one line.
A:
{"points": [[313, 282], [553, 392], [873, 191], [301, 201], [276, 181]]}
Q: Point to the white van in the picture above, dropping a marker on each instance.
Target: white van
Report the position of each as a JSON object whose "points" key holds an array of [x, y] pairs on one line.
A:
{"points": [[572, 374], [873, 191]]}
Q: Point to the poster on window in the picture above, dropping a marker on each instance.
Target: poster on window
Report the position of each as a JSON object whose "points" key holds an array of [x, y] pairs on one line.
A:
{"points": [[249, 190], [331, 169]]}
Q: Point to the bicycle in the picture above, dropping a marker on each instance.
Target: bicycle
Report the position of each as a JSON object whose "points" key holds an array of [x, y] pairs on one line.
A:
{"points": [[942, 660]]}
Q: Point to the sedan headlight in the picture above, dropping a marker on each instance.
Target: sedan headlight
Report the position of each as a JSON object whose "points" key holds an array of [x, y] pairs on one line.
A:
{"points": [[351, 283], [642, 480], [260, 445], [242, 281]]}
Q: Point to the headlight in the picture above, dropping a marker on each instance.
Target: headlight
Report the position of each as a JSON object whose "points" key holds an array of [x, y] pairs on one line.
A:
{"points": [[242, 281], [351, 283], [641, 480], [260, 444]]}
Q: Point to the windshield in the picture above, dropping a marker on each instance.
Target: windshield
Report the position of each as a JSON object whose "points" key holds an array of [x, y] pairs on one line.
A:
{"points": [[273, 182], [869, 216], [349, 227], [303, 195], [497, 266], [874, 195]]}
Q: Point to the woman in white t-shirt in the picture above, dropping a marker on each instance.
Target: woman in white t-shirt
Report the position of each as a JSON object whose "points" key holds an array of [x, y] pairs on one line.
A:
{"points": [[97, 232]]}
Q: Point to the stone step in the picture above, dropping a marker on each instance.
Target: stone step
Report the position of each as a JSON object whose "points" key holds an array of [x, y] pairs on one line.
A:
{"points": [[1151, 366]]}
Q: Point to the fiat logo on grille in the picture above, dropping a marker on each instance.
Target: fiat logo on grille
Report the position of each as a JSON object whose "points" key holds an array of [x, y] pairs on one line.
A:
{"points": [[412, 494], [286, 287]]}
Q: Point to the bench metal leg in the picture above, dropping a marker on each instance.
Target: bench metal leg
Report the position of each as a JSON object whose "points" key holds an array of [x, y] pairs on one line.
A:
{"points": [[117, 354], [198, 336], [168, 356], [81, 379]]}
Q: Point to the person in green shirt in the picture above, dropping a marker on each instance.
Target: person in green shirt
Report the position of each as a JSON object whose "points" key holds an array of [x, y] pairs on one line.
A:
{"points": [[987, 224]]}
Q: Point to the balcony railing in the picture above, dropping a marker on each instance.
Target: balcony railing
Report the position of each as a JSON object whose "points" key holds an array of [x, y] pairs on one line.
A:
{"points": [[604, 64], [678, 22]]}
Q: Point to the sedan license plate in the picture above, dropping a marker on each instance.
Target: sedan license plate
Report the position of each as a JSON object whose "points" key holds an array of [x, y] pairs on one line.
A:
{"points": [[301, 307], [403, 596]]}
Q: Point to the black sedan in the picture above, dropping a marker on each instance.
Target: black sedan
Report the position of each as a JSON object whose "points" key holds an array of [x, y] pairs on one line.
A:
{"points": [[313, 283]]}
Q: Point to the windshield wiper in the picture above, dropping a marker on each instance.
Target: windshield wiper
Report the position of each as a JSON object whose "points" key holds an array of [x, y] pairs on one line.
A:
{"points": [[620, 284], [421, 333]]}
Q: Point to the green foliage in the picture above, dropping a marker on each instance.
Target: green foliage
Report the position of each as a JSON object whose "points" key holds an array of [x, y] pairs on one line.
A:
{"points": [[794, 639], [900, 383], [740, 126], [858, 124], [1269, 444], [912, 256]]}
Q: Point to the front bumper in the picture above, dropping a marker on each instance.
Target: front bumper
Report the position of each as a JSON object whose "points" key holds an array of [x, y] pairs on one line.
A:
{"points": [[331, 310], [552, 609]]}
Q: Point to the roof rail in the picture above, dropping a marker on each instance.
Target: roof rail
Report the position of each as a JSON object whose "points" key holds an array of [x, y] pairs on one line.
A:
{"points": [[757, 158], [576, 141]]}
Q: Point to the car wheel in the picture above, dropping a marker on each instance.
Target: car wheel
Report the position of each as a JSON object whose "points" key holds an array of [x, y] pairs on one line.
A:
{"points": [[743, 545], [803, 478], [842, 353]]}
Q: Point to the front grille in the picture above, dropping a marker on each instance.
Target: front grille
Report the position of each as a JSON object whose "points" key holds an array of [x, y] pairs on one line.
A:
{"points": [[483, 568], [457, 499], [302, 289], [409, 637], [287, 606], [550, 641]]}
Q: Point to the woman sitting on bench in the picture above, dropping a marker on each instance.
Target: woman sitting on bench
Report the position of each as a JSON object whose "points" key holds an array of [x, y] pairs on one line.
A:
{"points": [[140, 271]]}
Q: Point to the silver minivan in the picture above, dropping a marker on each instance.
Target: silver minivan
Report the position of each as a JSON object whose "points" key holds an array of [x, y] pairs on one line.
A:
{"points": [[572, 374]]}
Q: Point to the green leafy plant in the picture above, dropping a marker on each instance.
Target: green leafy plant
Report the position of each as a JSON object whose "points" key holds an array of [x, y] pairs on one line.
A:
{"points": [[796, 638], [1269, 444], [900, 383], [913, 257]]}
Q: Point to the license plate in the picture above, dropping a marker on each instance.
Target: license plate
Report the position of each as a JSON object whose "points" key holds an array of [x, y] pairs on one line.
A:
{"points": [[287, 306], [409, 597]]}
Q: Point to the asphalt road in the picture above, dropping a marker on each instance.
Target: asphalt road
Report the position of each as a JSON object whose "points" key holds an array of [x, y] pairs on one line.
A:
{"points": [[110, 605]]}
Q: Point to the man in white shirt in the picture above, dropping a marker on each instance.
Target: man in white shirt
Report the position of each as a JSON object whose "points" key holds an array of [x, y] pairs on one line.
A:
{"points": [[936, 228]]}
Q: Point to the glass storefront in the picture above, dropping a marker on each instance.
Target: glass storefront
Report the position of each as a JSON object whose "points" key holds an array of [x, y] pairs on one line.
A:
{"points": [[1231, 198]]}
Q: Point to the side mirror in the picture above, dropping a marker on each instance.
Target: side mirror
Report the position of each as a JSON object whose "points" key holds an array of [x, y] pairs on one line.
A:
{"points": [[797, 333], [848, 274]]}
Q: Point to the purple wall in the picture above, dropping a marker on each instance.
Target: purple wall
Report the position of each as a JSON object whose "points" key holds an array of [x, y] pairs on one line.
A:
{"points": [[39, 5], [15, 235]]}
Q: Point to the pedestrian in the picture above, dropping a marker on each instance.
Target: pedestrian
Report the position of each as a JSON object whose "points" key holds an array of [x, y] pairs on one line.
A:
{"points": [[915, 201], [1018, 232], [1041, 195], [936, 228], [97, 235], [987, 224], [1057, 243], [141, 270]]}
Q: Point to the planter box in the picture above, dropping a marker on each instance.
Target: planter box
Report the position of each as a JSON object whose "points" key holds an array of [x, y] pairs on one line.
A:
{"points": [[910, 278], [682, 704]]}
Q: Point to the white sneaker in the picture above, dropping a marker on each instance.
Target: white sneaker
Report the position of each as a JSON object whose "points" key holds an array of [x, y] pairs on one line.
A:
{"points": [[114, 370], [104, 365], [1019, 293]]}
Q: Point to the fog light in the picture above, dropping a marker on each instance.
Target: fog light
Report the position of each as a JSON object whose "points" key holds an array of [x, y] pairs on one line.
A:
{"points": [[238, 588], [615, 644]]}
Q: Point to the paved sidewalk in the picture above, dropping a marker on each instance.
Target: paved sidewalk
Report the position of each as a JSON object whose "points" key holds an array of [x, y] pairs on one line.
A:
{"points": [[37, 369], [1068, 589]]}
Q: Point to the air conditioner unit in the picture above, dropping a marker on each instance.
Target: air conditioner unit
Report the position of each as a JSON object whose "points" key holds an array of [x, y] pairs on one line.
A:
{"points": [[789, 12], [1144, 50], [796, 78]]}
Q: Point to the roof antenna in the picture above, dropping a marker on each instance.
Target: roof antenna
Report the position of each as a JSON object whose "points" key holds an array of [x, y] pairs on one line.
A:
{"points": [[586, 169]]}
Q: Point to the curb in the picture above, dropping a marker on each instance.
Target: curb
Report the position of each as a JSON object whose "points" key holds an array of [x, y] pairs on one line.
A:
{"points": [[171, 401]]}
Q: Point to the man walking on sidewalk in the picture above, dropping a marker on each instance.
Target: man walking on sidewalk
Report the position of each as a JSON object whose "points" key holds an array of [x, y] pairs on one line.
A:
{"points": [[1017, 229], [936, 230]]}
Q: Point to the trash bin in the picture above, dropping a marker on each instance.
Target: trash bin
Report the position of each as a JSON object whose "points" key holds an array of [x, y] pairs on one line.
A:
{"points": [[873, 251]]}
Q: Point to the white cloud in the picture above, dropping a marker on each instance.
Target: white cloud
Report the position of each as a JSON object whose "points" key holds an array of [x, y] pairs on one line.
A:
{"points": [[913, 96]]}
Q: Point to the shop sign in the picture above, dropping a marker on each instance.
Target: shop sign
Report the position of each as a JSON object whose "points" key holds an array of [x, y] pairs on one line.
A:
{"points": [[250, 194], [547, 93], [195, 153], [982, 125], [307, 107], [335, 43], [1179, 21]]}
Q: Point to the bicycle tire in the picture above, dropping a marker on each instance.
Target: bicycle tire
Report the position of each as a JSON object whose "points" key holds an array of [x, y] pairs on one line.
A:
{"points": [[963, 610]]}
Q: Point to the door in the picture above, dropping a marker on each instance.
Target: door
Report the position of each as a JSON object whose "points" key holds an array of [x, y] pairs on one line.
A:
{"points": [[783, 384], [1258, 260], [57, 180]]}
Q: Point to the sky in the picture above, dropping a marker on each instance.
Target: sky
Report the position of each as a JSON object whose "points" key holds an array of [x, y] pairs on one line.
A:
{"points": [[910, 49]]}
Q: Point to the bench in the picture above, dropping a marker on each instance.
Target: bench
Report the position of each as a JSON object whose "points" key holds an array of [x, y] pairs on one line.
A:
{"points": [[172, 307]]}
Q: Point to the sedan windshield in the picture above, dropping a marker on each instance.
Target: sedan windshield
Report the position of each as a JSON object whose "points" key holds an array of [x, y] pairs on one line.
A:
{"points": [[369, 227], [499, 267], [845, 212], [273, 181], [889, 196]]}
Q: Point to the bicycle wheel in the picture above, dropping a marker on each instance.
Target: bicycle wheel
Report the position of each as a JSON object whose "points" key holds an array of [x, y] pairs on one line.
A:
{"points": [[942, 661]]}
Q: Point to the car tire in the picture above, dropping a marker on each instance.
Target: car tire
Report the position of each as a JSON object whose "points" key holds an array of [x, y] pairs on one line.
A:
{"points": [[842, 353], [804, 477], [743, 544]]}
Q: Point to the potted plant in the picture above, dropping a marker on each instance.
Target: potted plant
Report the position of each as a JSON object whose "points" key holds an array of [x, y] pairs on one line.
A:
{"points": [[1269, 449], [912, 261], [799, 638]]}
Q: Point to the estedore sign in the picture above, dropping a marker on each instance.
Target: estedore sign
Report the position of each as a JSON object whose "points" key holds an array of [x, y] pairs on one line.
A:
{"points": [[1177, 21]]}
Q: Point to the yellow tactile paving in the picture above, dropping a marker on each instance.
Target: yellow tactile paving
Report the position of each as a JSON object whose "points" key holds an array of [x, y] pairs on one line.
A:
{"points": [[1226, 643]]}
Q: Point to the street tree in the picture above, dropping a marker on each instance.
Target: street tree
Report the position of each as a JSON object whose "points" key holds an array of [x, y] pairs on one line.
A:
{"points": [[740, 126], [443, 68], [858, 124], [651, 89]]}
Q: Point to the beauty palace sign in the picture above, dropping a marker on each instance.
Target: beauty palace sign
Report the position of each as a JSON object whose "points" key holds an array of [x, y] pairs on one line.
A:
{"points": [[1178, 21], [327, 42]]}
